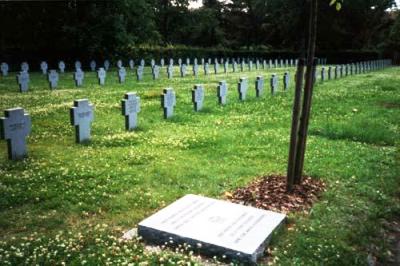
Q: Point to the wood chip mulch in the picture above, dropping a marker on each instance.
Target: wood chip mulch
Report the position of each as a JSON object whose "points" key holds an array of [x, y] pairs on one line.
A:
{"points": [[269, 193]]}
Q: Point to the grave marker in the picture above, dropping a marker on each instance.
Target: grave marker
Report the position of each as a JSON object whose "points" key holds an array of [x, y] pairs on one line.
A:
{"points": [[43, 67], [101, 75], [168, 101], [222, 92], [195, 70], [15, 126], [274, 84], [4, 69], [93, 65], [131, 64], [81, 117], [198, 97], [155, 72], [121, 74], [286, 81], [119, 64], [130, 109], [206, 69], [53, 79], [139, 72], [323, 74], [242, 88], [216, 67], [79, 75], [142, 62], [78, 64], [23, 81], [25, 66], [170, 71], [61, 66], [162, 62], [183, 70], [259, 86], [106, 65]]}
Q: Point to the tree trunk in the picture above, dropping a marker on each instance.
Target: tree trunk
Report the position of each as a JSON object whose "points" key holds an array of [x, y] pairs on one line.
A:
{"points": [[308, 91], [295, 125]]}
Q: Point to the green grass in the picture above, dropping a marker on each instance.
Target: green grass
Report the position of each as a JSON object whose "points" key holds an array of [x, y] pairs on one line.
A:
{"points": [[70, 202]]}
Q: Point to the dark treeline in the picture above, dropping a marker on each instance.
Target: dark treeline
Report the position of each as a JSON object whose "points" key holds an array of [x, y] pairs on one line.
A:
{"points": [[118, 27]]}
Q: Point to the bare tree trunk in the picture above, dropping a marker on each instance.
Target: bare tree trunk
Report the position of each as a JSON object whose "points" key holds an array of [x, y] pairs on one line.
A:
{"points": [[308, 90], [295, 125]]}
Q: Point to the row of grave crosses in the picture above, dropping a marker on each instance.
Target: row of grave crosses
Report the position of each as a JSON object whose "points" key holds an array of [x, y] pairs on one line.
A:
{"points": [[331, 72], [4, 67], [15, 126]]}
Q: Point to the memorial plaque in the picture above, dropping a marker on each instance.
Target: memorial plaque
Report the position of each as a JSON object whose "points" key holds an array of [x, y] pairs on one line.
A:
{"points": [[93, 65], [15, 127], [168, 102], [53, 79], [198, 97], [101, 76], [81, 117], [25, 66], [43, 67], [130, 109], [23, 81], [222, 92], [61, 66], [4, 69], [214, 227], [79, 75], [242, 88], [259, 86], [121, 74]]}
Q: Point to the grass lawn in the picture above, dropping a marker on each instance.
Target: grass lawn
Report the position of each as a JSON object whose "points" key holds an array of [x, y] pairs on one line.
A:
{"points": [[70, 203]]}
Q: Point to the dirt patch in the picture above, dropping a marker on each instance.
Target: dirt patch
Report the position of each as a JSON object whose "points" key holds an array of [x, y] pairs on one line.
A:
{"points": [[269, 193]]}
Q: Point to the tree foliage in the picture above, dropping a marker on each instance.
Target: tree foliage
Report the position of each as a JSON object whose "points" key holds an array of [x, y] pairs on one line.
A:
{"points": [[111, 26]]}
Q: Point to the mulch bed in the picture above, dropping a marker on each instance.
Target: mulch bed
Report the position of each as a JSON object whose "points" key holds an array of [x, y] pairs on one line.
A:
{"points": [[269, 193]]}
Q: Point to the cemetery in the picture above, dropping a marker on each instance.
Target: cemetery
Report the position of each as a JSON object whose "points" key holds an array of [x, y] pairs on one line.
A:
{"points": [[193, 159]]}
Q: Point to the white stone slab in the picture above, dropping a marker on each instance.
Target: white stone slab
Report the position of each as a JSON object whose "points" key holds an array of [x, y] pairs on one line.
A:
{"points": [[213, 226]]}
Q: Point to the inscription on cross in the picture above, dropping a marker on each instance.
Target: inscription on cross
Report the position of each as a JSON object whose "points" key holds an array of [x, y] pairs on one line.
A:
{"points": [[222, 92], [130, 109], [23, 81], [242, 88], [259, 86], [15, 127], [168, 102], [198, 97], [81, 117]]}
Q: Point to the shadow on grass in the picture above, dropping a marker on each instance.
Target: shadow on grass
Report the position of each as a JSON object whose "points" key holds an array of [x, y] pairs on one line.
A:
{"points": [[365, 131]]}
